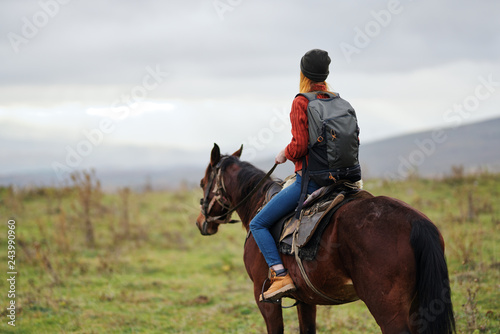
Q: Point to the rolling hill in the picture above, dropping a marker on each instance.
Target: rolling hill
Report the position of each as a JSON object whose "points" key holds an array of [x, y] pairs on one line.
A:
{"points": [[433, 153]]}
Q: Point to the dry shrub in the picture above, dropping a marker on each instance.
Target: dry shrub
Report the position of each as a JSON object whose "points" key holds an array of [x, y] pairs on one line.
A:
{"points": [[46, 263], [60, 233], [89, 195], [463, 246], [124, 195]]}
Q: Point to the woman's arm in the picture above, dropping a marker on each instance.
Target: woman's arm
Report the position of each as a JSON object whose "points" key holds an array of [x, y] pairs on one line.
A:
{"points": [[297, 148]]}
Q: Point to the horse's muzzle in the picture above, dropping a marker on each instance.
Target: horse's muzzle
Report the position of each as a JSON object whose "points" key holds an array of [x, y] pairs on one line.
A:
{"points": [[205, 229]]}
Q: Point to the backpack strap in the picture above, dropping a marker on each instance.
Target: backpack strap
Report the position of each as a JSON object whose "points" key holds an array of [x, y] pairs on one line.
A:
{"points": [[311, 96], [303, 188]]}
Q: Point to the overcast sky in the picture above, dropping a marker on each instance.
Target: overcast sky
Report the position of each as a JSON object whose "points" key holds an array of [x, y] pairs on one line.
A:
{"points": [[186, 74]]}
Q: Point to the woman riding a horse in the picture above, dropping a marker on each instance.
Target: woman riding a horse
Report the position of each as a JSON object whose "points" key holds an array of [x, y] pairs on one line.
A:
{"points": [[377, 249], [314, 71]]}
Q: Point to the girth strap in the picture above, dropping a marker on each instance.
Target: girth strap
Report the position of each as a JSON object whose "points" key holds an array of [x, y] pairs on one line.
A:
{"points": [[304, 274]]}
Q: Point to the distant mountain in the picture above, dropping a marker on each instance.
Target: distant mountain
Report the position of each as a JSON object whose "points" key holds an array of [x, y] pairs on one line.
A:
{"points": [[429, 153], [433, 153]]}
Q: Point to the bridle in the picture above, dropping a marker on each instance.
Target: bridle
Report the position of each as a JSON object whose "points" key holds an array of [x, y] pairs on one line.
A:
{"points": [[216, 186]]}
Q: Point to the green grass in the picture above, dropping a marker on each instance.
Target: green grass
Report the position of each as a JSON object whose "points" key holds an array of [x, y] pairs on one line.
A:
{"points": [[164, 277]]}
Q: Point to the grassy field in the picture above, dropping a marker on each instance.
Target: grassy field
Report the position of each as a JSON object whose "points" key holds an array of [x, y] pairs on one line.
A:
{"points": [[134, 262]]}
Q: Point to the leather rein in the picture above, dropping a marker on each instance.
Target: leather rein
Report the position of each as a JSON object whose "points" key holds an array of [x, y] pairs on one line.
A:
{"points": [[216, 186]]}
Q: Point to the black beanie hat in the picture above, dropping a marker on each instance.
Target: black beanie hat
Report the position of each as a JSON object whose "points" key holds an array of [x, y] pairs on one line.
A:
{"points": [[314, 65]]}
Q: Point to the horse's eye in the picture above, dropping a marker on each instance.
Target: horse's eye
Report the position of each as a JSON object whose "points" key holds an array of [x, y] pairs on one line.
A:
{"points": [[201, 183]]}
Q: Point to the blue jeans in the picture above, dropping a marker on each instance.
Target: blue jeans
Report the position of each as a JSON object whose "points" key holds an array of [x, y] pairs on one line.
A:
{"points": [[281, 204]]}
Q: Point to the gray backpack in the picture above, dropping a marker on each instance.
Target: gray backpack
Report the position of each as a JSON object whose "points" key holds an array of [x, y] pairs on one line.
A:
{"points": [[333, 139]]}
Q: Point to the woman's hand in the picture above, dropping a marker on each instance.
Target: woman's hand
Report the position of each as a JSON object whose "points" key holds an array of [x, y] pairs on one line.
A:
{"points": [[280, 158]]}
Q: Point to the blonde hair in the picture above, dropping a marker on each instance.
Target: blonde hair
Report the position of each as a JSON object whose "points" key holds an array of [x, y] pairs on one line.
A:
{"points": [[306, 84]]}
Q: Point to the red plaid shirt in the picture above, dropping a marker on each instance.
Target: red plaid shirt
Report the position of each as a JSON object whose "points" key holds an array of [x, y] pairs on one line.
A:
{"points": [[297, 148]]}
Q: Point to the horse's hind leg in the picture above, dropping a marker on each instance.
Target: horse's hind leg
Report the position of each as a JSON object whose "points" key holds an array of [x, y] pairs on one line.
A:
{"points": [[307, 318], [394, 324], [387, 286], [272, 313], [389, 300], [391, 311]]}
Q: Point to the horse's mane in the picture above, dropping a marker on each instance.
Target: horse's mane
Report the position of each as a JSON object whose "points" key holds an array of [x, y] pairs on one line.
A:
{"points": [[248, 176], [247, 179]]}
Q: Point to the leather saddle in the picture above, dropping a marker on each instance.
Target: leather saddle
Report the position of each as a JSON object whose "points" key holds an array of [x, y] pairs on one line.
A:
{"points": [[316, 213]]}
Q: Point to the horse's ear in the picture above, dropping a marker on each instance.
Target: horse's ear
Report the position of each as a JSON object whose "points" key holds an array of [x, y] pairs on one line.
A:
{"points": [[238, 153], [215, 155]]}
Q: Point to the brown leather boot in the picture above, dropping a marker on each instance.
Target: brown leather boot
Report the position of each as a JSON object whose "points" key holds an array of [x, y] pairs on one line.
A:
{"points": [[280, 286]]}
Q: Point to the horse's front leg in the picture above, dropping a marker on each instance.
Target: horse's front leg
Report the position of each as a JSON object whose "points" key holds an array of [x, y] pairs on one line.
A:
{"points": [[307, 318], [272, 313]]}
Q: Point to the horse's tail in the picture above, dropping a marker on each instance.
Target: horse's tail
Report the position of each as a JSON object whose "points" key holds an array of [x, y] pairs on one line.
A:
{"points": [[432, 309]]}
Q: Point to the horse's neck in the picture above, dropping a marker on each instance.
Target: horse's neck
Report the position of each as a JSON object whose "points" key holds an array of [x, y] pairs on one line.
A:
{"points": [[249, 208]]}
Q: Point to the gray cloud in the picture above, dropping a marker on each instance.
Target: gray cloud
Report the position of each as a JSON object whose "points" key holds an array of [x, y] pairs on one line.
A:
{"points": [[90, 42], [409, 63], [91, 52]]}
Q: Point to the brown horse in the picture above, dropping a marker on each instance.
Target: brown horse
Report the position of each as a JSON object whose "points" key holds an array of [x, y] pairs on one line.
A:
{"points": [[379, 250]]}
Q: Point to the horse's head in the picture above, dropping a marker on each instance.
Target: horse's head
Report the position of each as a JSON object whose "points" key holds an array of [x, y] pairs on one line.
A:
{"points": [[215, 204]]}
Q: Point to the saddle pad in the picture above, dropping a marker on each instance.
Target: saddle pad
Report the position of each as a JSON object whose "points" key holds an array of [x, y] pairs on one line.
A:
{"points": [[308, 251], [314, 219], [309, 235]]}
